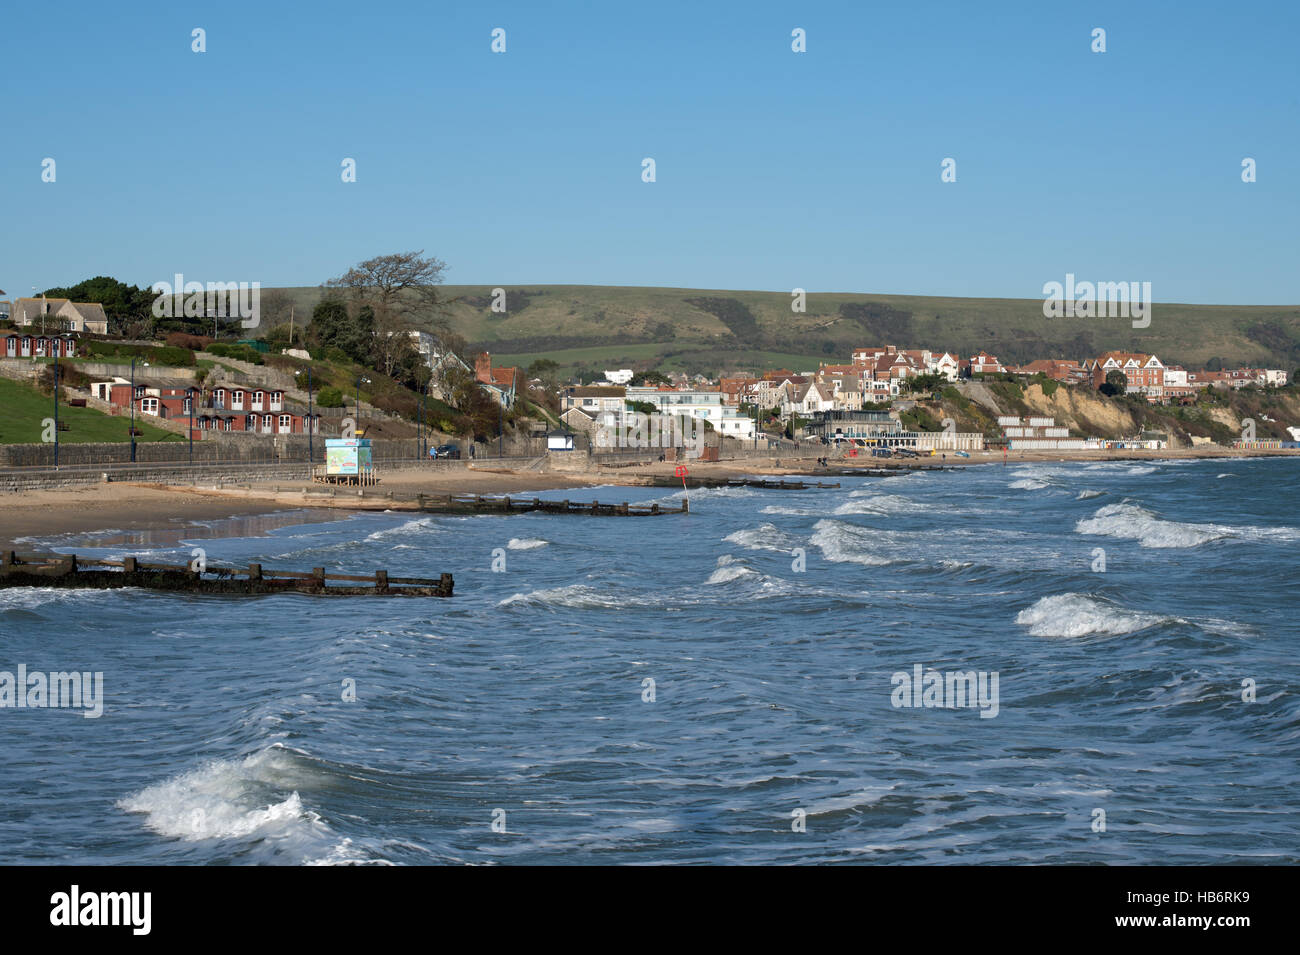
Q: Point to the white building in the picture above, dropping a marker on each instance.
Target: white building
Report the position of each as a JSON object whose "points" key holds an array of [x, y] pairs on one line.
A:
{"points": [[705, 405], [593, 399], [622, 376]]}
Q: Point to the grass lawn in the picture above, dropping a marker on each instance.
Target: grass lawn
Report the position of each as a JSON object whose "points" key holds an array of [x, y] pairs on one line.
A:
{"points": [[25, 410]]}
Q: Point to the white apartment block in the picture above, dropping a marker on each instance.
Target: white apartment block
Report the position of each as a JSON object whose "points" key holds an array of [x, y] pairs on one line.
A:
{"points": [[705, 405]]}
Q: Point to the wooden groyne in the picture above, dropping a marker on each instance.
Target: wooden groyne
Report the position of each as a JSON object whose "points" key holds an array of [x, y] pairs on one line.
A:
{"points": [[780, 485], [664, 481], [478, 504], [70, 571]]}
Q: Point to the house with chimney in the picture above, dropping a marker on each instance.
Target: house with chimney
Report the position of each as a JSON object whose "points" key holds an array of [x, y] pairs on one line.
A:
{"points": [[502, 383], [1143, 374]]}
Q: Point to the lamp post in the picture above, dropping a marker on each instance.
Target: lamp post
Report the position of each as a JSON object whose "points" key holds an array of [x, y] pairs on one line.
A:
{"points": [[189, 398], [311, 457], [360, 379], [56, 406], [133, 409]]}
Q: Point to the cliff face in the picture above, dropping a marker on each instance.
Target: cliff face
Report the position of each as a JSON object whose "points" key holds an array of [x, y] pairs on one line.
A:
{"points": [[1220, 416], [1083, 410]]}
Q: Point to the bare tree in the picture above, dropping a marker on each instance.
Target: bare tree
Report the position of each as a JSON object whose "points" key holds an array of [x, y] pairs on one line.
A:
{"points": [[396, 286], [275, 306]]}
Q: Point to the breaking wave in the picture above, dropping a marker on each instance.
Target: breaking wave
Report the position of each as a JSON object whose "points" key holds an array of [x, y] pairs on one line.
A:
{"points": [[764, 537], [526, 543], [254, 799], [1130, 522], [1028, 484], [1078, 615], [847, 543]]}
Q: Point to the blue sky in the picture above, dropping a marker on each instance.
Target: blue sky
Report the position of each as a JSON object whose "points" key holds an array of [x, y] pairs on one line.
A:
{"points": [[774, 170]]}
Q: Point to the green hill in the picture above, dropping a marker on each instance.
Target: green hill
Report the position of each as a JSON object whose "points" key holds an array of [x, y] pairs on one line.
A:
{"points": [[711, 330]]}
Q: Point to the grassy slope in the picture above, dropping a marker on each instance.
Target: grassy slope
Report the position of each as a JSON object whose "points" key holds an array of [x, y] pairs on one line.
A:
{"points": [[583, 325], [26, 410]]}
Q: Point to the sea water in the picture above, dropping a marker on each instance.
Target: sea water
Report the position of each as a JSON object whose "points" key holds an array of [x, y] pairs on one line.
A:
{"points": [[721, 686]]}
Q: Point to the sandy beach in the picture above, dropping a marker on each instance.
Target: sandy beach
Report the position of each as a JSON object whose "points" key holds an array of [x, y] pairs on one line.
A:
{"points": [[172, 512]]}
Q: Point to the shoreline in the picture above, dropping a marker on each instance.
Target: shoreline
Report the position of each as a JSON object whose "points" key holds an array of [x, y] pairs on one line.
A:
{"points": [[125, 514]]}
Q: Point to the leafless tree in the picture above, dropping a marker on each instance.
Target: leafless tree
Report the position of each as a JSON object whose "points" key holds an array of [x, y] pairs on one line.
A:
{"points": [[275, 307], [397, 286]]}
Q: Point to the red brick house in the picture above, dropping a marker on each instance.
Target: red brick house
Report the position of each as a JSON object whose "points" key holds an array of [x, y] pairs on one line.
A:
{"points": [[1144, 374]]}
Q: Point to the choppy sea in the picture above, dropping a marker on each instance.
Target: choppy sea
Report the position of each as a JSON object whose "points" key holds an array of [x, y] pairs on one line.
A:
{"points": [[715, 687]]}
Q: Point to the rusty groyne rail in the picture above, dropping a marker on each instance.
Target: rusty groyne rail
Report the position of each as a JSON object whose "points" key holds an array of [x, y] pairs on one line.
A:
{"points": [[478, 504], [70, 571]]}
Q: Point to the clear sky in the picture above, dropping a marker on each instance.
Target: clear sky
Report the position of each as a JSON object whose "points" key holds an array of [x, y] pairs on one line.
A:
{"points": [[774, 169]]}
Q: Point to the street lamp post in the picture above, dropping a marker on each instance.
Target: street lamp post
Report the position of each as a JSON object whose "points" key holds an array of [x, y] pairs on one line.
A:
{"points": [[133, 409], [311, 456], [56, 406], [189, 397], [360, 379]]}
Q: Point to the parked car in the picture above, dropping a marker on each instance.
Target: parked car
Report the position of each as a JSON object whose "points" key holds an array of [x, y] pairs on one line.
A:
{"points": [[961, 454], [881, 453], [446, 451], [906, 453]]}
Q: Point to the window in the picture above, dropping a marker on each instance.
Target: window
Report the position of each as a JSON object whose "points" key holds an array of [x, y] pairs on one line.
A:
{"points": [[266, 423], [284, 422], [257, 401], [149, 406]]}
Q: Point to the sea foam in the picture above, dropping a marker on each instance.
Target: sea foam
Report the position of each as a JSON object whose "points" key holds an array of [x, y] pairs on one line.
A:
{"points": [[1078, 615], [1130, 522]]}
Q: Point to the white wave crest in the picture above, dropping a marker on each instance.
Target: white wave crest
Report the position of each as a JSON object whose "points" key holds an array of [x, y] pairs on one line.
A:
{"points": [[1078, 615], [407, 528], [868, 502], [526, 543], [730, 569], [847, 543], [764, 537], [1130, 522], [236, 799]]}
